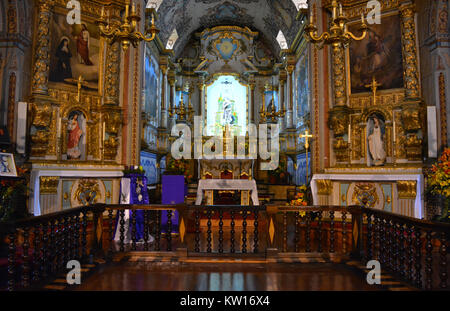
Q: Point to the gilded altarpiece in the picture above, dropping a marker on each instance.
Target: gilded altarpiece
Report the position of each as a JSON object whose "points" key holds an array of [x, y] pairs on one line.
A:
{"points": [[378, 134], [75, 115]]}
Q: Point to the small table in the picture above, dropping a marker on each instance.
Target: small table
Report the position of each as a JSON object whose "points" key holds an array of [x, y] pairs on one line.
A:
{"points": [[227, 184]]}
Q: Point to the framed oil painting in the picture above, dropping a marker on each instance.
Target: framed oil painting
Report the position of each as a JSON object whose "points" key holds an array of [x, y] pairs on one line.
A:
{"points": [[302, 87], [7, 165], [378, 55], [75, 51], [151, 83]]}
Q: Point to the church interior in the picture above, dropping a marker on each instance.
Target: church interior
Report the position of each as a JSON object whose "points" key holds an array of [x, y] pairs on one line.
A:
{"points": [[241, 145]]}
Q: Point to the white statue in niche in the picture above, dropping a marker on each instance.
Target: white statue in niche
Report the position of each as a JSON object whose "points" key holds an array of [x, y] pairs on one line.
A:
{"points": [[375, 140]]}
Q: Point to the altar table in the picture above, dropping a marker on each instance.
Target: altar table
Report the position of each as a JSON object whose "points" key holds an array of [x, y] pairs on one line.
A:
{"points": [[227, 184]]}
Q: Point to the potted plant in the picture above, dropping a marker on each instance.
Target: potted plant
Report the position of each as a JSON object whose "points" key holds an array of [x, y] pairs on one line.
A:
{"points": [[439, 182]]}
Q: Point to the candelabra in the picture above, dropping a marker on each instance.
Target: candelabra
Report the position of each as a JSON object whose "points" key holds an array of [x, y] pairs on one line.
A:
{"points": [[182, 113], [271, 113], [126, 31], [338, 33]]}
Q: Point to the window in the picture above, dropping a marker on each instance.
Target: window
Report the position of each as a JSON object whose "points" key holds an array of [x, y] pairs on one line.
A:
{"points": [[172, 39], [282, 41], [154, 4], [301, 4]]}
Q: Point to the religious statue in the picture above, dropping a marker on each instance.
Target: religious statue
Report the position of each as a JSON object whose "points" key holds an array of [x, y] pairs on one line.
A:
{"points": [[75, 134], [375, 140], [83, 46]]}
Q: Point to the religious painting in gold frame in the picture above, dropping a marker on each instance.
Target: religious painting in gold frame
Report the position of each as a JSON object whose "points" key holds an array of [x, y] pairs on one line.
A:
{"points": [[378, 55], [75, 50]]}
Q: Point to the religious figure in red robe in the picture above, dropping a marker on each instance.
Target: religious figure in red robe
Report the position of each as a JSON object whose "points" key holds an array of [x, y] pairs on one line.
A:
{"points": [[75, 132], [83, 46]]}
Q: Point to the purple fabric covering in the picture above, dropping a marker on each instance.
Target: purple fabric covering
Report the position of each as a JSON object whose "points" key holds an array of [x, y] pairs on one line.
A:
{"points": [[173, 192]]}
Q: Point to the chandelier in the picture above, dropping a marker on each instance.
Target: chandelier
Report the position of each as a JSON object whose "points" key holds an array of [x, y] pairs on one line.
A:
{"points": [[338, 33], [126, 31]]}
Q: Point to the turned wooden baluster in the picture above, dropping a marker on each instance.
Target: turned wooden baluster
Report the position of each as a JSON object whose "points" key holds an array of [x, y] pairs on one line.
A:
{"points": [[52, 247], [208, 233], [308, 232], [418, 258], [389, 244], [443, 264], [37, 261], [332, 233], [169, 230], [396, 246], [84, 236], [146, 224], [77, 236], [344, 232], [232, 233], [428, 260], [197, 231], [255, 232], [133, 230], [369, 253], [220, 231], [26, 258], [377, 237], [158, 231], [69, 233], [402, 257], [11, 260], [45, 251], [62, 243], [409, 253], [244, 231], [319, 233], [122, 230], [297, 235], [111, 232], [383, 241], [285, 233]]}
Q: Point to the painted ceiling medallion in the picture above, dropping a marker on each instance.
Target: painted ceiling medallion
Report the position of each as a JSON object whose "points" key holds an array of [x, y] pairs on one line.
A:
{"points": [[226, 46]]}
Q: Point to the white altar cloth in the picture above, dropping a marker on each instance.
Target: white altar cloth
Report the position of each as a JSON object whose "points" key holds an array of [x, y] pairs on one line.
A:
{"points": [[227, 184], [418, 204]]}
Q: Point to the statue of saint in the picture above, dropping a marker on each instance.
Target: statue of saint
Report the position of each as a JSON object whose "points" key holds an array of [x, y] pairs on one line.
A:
{"points": [[375, 139]]}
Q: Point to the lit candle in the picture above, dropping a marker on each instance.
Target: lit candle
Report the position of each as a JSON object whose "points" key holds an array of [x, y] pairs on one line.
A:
{"points": [[349, 133]]}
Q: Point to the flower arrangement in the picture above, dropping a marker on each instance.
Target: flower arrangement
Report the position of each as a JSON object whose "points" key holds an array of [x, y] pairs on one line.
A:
{"points": [[133, 170], [13, 197], [300, 197], [439, 181]]}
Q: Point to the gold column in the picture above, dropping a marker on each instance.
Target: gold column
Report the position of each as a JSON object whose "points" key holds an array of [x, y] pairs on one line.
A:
{"points": [[340, 96], [252, 85], [42, 57], [164, 65], [443, 109], [289, 114], [411, 75]]}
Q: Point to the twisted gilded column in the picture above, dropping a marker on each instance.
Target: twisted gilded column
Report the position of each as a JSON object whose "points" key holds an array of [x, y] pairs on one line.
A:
{"points": [[112, 112], [412, 110], [252, 85], [42, 56], [340, 96], [411, 75]]}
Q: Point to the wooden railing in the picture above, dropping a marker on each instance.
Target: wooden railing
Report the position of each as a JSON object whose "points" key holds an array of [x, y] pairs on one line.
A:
{"points": [[40, 247]]}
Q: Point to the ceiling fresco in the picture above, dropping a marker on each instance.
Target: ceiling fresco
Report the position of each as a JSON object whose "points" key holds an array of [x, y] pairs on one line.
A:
{"points": [[267, 17]]}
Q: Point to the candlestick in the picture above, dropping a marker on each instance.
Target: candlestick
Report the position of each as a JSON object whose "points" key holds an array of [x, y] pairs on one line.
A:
{"points": [[127, 9], [311, 18], [103, 11], [340, 9], [362, 18], [133, 9]]}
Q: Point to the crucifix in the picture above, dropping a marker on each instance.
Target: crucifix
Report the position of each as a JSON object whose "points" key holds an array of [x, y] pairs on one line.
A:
{"points": [[80, 83], [306, 136], [374, 85]]}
